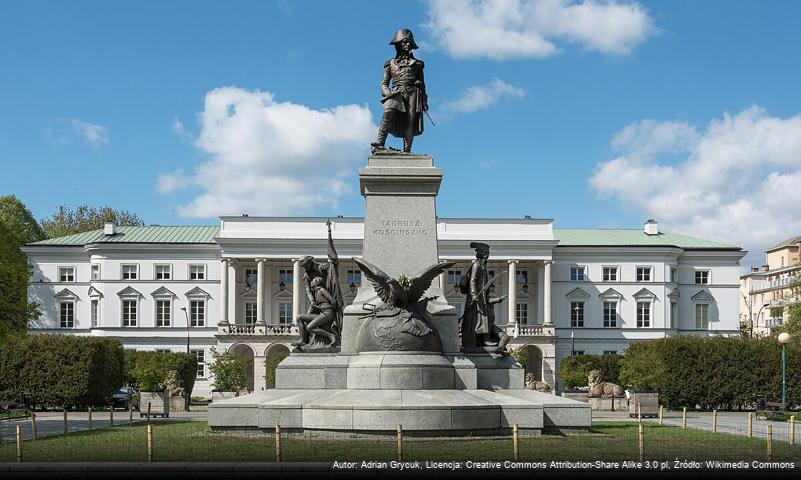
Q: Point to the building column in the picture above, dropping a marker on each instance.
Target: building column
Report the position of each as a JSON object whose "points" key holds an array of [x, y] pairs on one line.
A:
{"points": [[223, 292], [260, 291], [442, 277], [546, 302], [296, 293], [512, 294], [259, 372]]}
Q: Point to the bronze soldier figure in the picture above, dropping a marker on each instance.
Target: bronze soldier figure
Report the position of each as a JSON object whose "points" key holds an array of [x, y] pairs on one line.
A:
{"points": [[478, 329], [404, 94], [321, 314]]}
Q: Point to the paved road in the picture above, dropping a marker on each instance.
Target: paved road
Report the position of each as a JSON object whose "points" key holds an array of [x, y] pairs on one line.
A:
{"points": [[735, 423], [52, 423]]}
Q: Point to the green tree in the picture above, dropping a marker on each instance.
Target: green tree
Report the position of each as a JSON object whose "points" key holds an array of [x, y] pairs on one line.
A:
{"points": [[229, 370], [271, 364], [17, 227], [793, 324], [66, 221]]}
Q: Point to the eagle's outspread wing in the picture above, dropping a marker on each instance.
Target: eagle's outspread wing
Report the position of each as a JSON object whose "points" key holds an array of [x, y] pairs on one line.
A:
{"points": [[423, 280], [387, 288]]}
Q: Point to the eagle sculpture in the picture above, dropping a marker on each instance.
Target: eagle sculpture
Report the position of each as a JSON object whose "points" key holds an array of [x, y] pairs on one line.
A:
{"points": [[404, 294]]}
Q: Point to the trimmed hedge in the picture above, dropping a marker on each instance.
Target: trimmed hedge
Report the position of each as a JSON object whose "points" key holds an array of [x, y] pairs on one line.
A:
{"points": [[573, 370], [61, 370], [714, 372], [148, 370]]}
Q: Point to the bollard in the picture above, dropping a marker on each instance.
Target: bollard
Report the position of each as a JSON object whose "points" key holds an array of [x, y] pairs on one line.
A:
{"points": [[150, 443], [111, 416], [714, 421], [684, 418], [66, 426], [399, 429], [792, 430], [642, 442], [516, 442], [148, 413], [770, 442], [90, 418], [750, 424], [660, 415], [19, 443], [33, 425], [277, 443], [130, 414]]}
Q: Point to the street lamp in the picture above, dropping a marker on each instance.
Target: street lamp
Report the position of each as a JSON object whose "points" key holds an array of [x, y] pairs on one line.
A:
{"points": [[757, 318], [187, 328], [784, 337]]}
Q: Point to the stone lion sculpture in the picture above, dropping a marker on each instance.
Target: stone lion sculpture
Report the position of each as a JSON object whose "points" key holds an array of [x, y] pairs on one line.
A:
{"points": [[601, 389], [537, 385]]}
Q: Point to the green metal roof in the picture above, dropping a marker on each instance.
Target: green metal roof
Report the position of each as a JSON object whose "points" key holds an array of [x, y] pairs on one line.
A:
{"points": [[150, 234], [599, 237]]}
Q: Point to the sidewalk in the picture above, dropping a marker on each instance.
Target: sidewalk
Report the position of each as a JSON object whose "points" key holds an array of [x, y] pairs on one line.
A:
{"points": [[735, 423], [52, 423]]}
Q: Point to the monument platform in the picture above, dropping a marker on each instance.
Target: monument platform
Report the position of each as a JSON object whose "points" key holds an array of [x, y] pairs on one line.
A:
{"points": [[420, 412]]}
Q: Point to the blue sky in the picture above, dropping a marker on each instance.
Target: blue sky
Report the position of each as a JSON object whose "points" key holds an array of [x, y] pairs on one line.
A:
{"points": [[594, 114]]}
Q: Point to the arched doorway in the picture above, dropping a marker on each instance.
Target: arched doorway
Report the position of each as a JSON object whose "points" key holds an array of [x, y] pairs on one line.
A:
{"points": [[244, 351], [274, 354], [534, 361]]}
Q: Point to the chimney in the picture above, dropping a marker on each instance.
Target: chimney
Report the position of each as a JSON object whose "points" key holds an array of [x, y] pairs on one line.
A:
{"points": [[109, 229], [754, 269], [765, 268], [651, 227]]}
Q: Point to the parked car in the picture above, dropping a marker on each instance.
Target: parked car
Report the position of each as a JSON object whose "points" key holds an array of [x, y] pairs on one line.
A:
{"points": [[125, 398]]}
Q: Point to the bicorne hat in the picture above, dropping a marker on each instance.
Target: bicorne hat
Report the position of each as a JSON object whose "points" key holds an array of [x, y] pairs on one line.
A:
{"points": [[403, 34]]}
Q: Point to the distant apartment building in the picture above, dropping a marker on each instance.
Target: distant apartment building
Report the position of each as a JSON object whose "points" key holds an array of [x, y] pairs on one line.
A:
{"points": [[765, 291]]}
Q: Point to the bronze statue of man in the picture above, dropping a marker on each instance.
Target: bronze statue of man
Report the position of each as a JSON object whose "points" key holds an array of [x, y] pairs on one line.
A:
{"points": [[403, 91], [478, 329]]}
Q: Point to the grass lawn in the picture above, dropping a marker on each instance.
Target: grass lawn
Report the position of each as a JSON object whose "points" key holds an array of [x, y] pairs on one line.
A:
{"points": [[192, 441], [14, 413]]}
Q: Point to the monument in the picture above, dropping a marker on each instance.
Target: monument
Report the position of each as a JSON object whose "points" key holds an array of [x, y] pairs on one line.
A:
{"points": [[399, 358]]}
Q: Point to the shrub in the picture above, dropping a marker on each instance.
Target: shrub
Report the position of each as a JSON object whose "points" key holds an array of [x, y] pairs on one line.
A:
{"points": [[573, 370], [229, 370], [149, 370], [61, 370]]}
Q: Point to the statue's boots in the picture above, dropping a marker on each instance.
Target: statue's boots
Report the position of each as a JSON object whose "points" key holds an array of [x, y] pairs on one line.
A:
{"points": [[407, 145]]}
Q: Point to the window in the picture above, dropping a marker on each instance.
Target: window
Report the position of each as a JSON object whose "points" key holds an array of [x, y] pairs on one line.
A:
{"points": [[163, 313], [200, 356], [576, 314], [610, 274], [521, 313], [521, 277], [197, 313], [251, 276], [577, 352], [95, 272], [163, 272], [129, 313], [250, 313], [197, 272], [702, 316], [163, 350], [285, 313], [66, 274], [674, 314], [94, 311], [643, 314], [130, 272], [643, 274], [610, 352], [577, 274], [610, 314], [674, 274], [285, 276], [454, 277], [354, 277], [67, 314], [701, 277]]}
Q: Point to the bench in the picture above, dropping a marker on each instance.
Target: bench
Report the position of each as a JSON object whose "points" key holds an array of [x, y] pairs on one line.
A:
{"points": [[771, 409]]}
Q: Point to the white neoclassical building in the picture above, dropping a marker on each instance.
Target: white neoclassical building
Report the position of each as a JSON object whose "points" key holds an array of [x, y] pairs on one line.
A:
{"points": [[238, 285]]}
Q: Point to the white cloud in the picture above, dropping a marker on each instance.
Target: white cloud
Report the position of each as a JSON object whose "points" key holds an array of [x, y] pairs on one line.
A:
{"points": [[736, 182], [178, 127], [502, 29], [272, 158], [62, 131], [480, 97]]}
